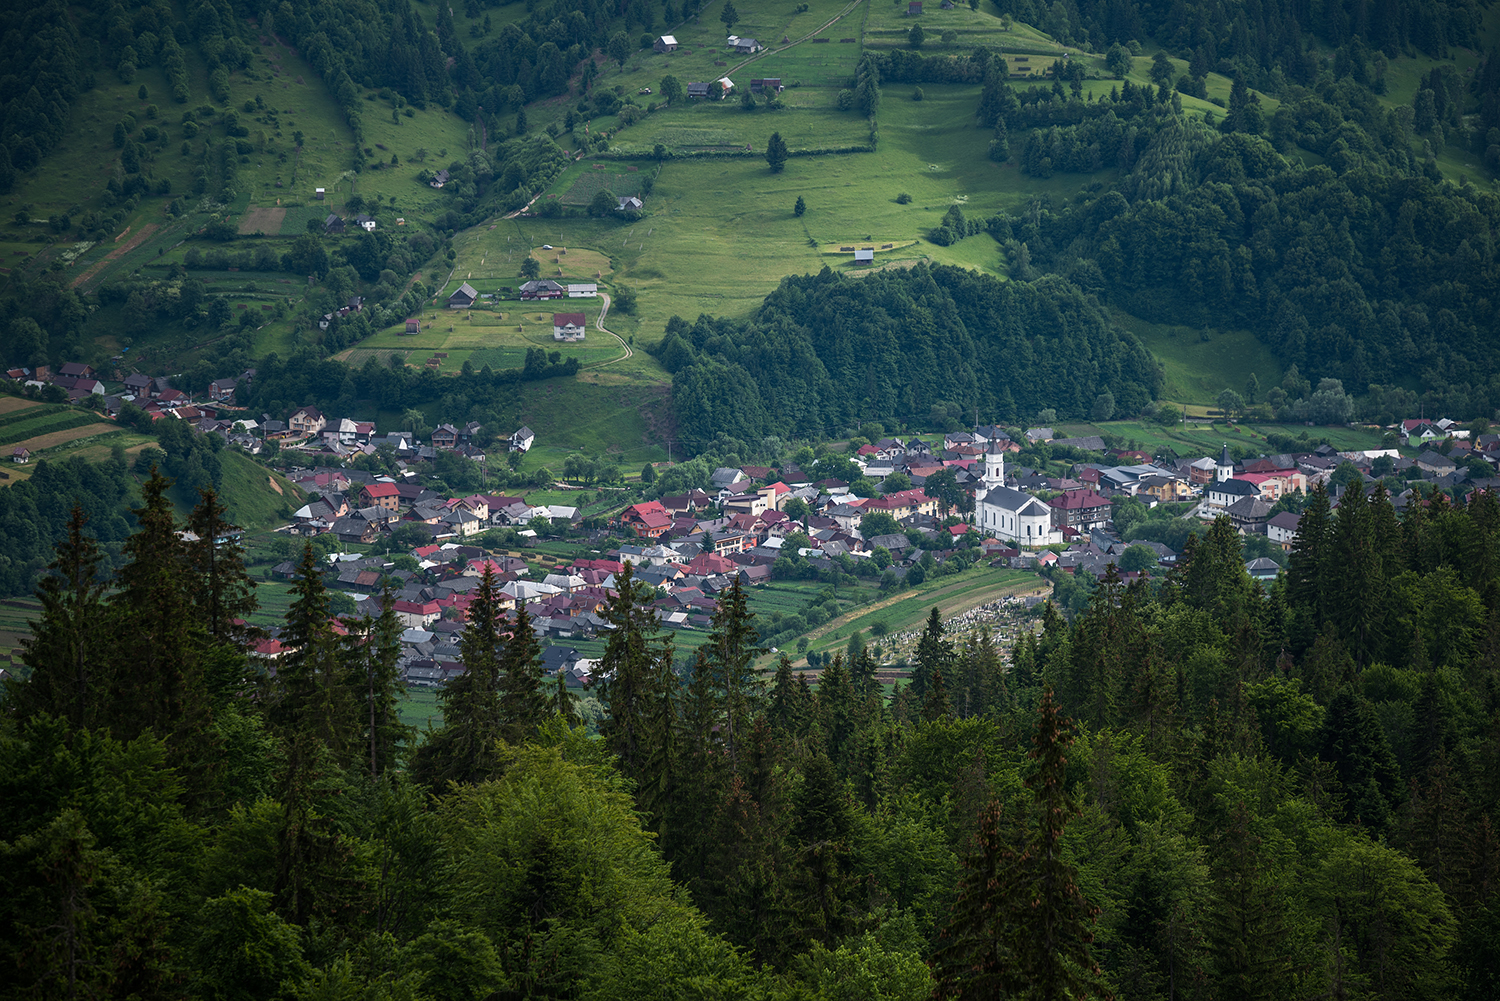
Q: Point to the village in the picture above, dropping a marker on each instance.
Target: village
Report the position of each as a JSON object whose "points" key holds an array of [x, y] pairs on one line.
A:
{"points": [[915, 506]]}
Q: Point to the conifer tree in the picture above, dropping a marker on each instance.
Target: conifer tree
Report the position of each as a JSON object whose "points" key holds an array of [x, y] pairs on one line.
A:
{"points": [[933, 653], [835, 707], [523, 704], [731, 649], [628, 667], [1019, 923], [224, 592], [1248, 931], [314, 698], [937, 705], [463, 750], [376, 656], [65, 651], [157, 645]]}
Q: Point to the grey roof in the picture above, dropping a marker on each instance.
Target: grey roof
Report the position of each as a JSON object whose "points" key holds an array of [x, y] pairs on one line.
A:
{"points": [[1012, 500]]}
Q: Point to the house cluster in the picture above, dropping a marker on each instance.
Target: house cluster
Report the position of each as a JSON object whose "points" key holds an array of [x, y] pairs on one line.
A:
{"points": [[360, 507], [76, 379], [355, 304]]}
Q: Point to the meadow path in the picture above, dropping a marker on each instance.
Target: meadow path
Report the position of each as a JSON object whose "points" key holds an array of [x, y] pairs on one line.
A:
{"points": [[599, 324]]}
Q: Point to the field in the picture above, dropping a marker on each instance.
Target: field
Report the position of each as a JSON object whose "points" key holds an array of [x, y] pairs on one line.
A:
{"points": [[1207, 438], [599, 178], [1200, 364], [498, 338], [908, 610]]}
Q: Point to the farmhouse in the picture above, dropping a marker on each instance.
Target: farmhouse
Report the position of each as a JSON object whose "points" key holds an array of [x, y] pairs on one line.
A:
{"points": [[464, 297], [914, 7], [365, 223], [568, 326], [726, 86], [631, 204], [20, 454], [522, 440], [744, 46], [649, 519], [308, 420], [333, 224], [543, 288], [413, 326], [221, 389], [666, 43], [439, 179], [444, 436], [768, 85], [697, 90], [583, 290]]}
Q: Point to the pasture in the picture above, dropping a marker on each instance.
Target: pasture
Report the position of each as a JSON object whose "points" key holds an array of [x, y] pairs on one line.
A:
{"points": [[1207, 438], [1201, 363]]}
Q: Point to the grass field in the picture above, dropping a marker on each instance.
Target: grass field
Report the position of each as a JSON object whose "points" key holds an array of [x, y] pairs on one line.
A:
{"points": [[623, 183], [1203, 438], [1198, 369]]}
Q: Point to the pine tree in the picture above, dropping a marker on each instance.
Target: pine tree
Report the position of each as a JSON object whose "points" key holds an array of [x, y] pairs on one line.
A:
{"points": [[523, 704], [224, 591], [313, 698], [731, 651], [463, 750], [1020, 924], [836, 702], [1308, 567], [937, 705], [1248, 930], [776, 154], [377, 653], [800, 207], [629, 669], [933, 653], [157, 645], [65, 650]]}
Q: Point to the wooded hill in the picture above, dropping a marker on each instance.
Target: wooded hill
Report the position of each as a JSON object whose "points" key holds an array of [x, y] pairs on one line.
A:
{"points": [[1262, 793]]}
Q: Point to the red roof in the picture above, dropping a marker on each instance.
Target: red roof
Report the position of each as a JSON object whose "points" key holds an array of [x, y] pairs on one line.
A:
{"points": [[426, 551], [381, 490], [1078, 500], [569, 319], [651, 514]]}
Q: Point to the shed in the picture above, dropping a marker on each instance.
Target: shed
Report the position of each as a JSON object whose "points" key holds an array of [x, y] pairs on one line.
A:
{"points": [[463, 297], [914, 7], [413, 326], [319, 194], [864, 254], [666, 43]]}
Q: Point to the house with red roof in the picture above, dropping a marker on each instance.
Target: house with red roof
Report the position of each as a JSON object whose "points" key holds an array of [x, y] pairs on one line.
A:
{"points": [[649, 519], [380, 495], [416, 614], [569, 326], [1080, 510]]}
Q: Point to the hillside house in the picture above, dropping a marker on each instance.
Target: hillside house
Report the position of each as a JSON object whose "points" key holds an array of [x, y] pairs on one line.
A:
{"points": [[413, 326], [697, 90], [138, 384], [569, 326], [308, 420], [522, 440], [914, 8], [439, 179], [221, 389], [21, 455], [766, 85], [542, 288], [463, 297], [648, 519], [383, 495], [726, 86], [665, 43], [333, 224], [744, 46], [77, 370], [365, 223], [631, 203], [583, 290], [864, 255], [444, 436]]}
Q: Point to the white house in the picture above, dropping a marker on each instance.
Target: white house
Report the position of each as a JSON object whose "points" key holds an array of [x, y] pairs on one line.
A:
{"points": [[1219, 496], [522, 440], [569, 326], [1010, 514], [1282, 529], [583, 290]]}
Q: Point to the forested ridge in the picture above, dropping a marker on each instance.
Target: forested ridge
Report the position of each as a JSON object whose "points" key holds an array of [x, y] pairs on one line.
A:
{"points": [[830, 351], [1199, 787]]}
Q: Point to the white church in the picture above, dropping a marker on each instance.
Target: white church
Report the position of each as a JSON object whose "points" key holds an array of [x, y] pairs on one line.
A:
{"points": [[1010, 514]]}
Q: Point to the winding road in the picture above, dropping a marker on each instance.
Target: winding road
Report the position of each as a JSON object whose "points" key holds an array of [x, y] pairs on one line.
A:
{"points": [[599, 324]]}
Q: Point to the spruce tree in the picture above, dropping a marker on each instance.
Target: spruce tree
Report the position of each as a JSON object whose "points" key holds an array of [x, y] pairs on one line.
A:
{"points": [[463, 750], [731, 650], [523, 704], [224, 593], [376, 675], [66, 650], [776, 154], [313, 699], [933, 653], [628, 670], [937, 705], [157, 642]]}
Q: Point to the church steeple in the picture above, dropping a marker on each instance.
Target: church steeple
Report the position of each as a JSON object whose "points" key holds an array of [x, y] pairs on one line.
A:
{"points": [[1226, 464], [994, 466]]}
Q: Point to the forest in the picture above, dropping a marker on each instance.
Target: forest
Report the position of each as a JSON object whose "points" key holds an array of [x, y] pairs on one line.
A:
{"points": [[1197, 786], [828, 351]]}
